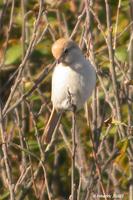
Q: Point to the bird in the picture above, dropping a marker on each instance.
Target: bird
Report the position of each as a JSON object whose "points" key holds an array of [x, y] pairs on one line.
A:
{"points": [[73, 81]]}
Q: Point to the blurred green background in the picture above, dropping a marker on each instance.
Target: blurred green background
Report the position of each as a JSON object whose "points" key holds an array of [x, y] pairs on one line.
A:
{"points": [[24, 125]]}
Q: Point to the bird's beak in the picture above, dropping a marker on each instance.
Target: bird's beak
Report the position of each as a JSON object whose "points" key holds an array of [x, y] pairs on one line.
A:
{"points": [[59, 60]]}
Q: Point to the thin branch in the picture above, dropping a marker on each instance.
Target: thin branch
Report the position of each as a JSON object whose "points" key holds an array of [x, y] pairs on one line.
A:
{"points": [[77, 24], [116, 24], [73, 184], [23, 106], [95, 156], [112, 67], [22, 65], [5, 153], [130, 95], [37, 82], [8, 33]]}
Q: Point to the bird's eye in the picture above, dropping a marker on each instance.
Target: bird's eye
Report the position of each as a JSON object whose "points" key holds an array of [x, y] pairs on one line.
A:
{"points": [[65, 51]]}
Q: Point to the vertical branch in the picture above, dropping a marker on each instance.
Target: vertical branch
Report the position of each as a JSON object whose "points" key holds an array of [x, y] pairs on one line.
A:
{"points": [[116, 24], [112, 67], [23, 105], [32, 171], [90, 49], [23, 27], [55, 185], [8, 33], [5, 153], [95, 117], [3, 12], [89, 41], [41, 164], [130, 89], [130, 95], [91, 52], [95, 155], [24, 61], [113, 75], [80, 185], [95, 123], [73, 184], [28, 186], [131, 180]]}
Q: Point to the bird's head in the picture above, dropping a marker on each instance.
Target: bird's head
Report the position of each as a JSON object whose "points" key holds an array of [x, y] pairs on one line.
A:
{"points": [[66, 51]]}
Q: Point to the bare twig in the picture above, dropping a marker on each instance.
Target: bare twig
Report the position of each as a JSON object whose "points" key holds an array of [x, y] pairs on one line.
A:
{"points": [[8, 33], [130, 95], [22, 65], [112, 66], [77, 24], [116, 24], [23, 105], [95, 157], [38, 81], [3, 12], [41, 164], [80, 185], [73, 184], [5, 153]]}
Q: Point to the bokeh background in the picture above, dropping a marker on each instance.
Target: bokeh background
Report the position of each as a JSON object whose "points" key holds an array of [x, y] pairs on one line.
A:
{"points": [[104, 152]]}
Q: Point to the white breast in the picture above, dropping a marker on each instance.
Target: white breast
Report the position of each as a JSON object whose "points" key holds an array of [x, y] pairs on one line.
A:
{"points": [[72, 85]]}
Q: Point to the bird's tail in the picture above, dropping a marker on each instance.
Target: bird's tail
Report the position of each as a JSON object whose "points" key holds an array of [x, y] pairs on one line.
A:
{"points": [[52, 124]]}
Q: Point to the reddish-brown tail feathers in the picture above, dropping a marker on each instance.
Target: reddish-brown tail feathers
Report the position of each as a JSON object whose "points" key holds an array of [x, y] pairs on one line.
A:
{"points": [[51, 125]]}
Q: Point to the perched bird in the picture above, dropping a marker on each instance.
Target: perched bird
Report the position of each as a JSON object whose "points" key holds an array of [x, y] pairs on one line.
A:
{"points": [[73, 81]]}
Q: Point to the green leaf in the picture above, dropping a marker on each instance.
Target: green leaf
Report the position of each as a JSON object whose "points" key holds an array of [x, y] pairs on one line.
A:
{"points": [[13, 54], [123, 144], [33, 145], [5, 195], [117, 122], [34, 97], [124, 4], [121, 54], [44, 48]]}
